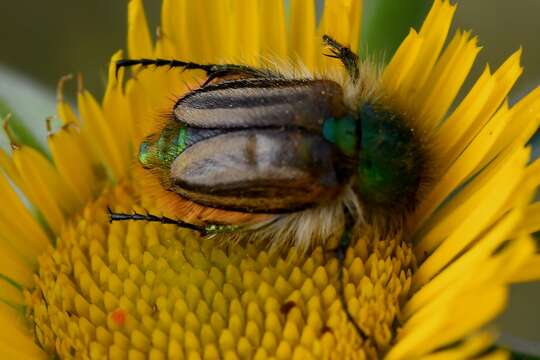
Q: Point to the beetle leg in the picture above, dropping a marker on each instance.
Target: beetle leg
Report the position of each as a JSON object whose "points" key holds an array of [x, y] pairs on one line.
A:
{"points": [[213, 71], [206, 229], [345, 54], [113, 216], [340, 253]]}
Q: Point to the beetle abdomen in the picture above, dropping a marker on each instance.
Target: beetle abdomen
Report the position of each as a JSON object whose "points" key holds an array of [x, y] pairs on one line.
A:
{"points": [[267, 170]]}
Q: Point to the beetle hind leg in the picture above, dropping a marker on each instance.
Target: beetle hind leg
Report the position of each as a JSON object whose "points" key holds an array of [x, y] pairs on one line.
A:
{"points": [[340, 253]]}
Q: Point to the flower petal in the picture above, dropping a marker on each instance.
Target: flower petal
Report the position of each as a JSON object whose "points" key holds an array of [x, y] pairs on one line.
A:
{"points": [[25, 234], [476, 156], [139, 41], [425, 48], [73, 162], [44, 186], [446, 79], [248, 35], [468, 348], [494, 197], [274, 34], [345, 29], [15, 339], [476, 109], [100, 135], [304, 41], [455, 317]]}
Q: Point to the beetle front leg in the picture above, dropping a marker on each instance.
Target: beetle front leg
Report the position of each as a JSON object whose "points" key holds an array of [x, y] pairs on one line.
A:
{"points": [[348, 58], [213, 71]]}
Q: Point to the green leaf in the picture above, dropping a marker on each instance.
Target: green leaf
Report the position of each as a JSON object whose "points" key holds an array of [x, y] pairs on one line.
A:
{"points": [[387, 22], [30, 103]]}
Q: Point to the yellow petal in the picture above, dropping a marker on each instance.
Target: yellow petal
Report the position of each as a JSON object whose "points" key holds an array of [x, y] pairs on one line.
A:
{"points": [[461, 314], [116, 106], [173, 28], [45, 187], [433, 32], [444, 221], [10, 290], [413, 80], [14, 266], [475, 257], [477, 155], [525, 122], [64, 111], [221, 34], [495, 196], [401, 63], [248, 35], [470, 347], [73, 162], [200, 43], [303, 38], [274, 36], [99, 134], [529, 271], [340, 20], [477, 108], [139, 41], [26, 234], [15, 339], [446, 79]]}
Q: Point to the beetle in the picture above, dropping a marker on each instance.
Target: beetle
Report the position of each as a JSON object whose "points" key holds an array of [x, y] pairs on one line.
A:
{"points": [[315, 156]]}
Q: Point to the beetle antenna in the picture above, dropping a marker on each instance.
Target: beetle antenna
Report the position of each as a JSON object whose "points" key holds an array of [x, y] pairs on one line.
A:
{"points": [[348, 58], [113, 216], [341, 251]]}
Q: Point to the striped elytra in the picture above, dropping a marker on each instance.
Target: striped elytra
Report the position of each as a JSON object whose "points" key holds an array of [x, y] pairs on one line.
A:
{"points": [[276, 145]]}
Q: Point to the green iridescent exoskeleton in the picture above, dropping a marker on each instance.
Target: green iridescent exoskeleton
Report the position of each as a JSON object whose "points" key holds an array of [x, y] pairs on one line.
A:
{"points": [[160, 150], [390, 160], [387, 155]]}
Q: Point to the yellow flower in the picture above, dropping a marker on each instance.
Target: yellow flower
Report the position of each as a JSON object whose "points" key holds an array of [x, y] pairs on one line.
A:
{"points": [[81, 287]]}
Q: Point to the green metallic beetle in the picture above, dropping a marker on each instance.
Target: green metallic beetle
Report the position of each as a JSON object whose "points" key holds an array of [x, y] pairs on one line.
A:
{"points": [[314, 154]]}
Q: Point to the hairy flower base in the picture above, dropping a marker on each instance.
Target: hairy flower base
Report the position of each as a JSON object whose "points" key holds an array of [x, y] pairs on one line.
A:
{"points": [[152, 290]]}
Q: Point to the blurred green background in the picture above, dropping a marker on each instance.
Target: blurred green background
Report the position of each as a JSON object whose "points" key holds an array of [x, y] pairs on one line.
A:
{"points": [[44, 40]]}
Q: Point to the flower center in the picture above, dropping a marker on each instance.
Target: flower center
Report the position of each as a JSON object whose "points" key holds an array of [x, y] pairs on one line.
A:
{"points": [[157, 291]]}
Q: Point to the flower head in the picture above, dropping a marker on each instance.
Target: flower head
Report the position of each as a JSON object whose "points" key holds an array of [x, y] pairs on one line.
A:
{"points": [[81, 287]]}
